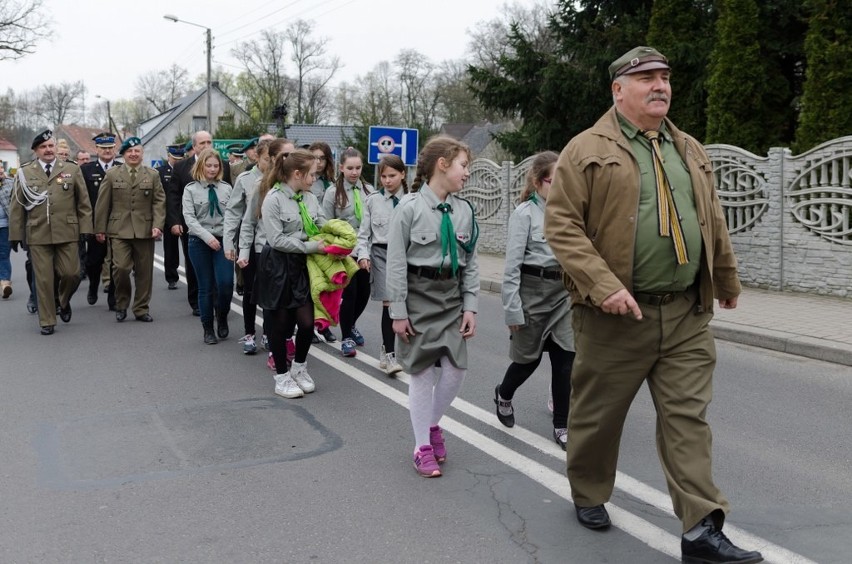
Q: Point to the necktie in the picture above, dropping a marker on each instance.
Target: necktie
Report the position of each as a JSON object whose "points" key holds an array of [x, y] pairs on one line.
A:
{"points": [[106, 167], [356, 194], [47, 169], [448, 238], [132, 176], [213, 199], [307, 221], [668, 218]]}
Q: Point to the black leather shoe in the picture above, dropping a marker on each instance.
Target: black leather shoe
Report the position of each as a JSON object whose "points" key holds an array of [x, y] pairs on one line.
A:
{"points": [[47, 330], [92, 296], [713, 546], [507, 420], [593, 517], [120, 314], [172, 285], [145, 317], [196, 312], [31, 304], [65, 313], [106, 288]]}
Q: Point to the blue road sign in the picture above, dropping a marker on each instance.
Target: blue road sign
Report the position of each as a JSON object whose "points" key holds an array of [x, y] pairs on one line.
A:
{"points": [[393, 141]]}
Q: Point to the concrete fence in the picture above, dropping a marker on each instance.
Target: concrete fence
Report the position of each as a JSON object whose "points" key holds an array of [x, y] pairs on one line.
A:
{"points": [[790, 217]]}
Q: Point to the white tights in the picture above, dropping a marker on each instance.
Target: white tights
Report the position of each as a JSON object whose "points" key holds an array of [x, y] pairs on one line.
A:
{"points": [[430, 393]]}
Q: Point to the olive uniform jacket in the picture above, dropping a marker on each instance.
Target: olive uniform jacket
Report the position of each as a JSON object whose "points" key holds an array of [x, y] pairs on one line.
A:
{"points": [[130, 210], [62, 217]]}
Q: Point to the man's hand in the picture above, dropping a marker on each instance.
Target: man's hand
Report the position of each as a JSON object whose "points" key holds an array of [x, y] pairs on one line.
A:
{"points": [[177, 230], [14, 245], [100, 237], [621, 303], [156, 233], [730, 303]]}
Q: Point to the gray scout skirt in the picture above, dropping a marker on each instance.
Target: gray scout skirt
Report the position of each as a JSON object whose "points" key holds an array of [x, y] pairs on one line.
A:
{"points": [[378, 272], [435, 312], [547, 313]]}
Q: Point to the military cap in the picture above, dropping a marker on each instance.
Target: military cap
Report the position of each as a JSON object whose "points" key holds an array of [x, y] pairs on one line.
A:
{"points": [[129, 142], [235, 149], [41, 138], [104, 139], [638, 59], [249, 144], [176, 151]]}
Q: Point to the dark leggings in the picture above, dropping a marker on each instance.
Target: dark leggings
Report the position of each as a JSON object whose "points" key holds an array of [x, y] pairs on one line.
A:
{"points": [[561, 363], [249, 306], [355, 298], [280, 324], [388, 336]]}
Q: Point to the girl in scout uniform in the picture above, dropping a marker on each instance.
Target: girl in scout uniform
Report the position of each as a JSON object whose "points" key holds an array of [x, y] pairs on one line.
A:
{"points": [[204, 202], [535, 302], [433, 289], [252, 237], [346, 202], [291, 215], [372, 247]]}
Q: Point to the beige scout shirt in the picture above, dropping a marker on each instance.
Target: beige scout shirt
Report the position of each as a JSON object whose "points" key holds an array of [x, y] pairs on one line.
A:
{"points": [[283, 223]]}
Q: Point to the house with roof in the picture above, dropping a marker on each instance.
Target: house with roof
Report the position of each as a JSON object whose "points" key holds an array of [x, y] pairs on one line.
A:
{"points": [[480, 138], [8, 155], [79, 138], [338, 137], [186, 116]]}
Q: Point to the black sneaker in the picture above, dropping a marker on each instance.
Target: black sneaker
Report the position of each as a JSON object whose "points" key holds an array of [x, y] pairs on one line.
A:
{"points": [[713, 546], [505, 412]]}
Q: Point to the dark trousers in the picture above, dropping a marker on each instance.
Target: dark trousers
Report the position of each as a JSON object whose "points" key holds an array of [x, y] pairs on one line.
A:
{"points": [[249, 305], [171, 256], [95, 256], [355, 298]]}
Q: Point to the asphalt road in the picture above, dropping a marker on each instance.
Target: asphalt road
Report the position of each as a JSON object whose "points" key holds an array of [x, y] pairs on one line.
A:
{"points": [[136, 442]]}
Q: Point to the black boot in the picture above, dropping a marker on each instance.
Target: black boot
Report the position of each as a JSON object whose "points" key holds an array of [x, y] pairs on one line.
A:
{"points": [[209, 335], [94, 281], [222, 324]]}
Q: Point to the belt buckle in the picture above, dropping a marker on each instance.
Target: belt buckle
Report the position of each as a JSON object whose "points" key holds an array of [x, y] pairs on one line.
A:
{"points": [[666, 299]]}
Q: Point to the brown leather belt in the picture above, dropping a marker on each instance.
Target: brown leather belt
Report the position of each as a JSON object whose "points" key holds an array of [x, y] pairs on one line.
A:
{"points": [[432, 273], [546, 273]]}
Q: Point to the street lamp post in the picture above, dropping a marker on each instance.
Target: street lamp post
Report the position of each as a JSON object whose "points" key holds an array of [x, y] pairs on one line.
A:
{"points": [[110, 123], [209, 63]]}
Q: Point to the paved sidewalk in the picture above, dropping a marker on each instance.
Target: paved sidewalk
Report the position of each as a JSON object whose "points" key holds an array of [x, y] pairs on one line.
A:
{"points": [[806, 325]]}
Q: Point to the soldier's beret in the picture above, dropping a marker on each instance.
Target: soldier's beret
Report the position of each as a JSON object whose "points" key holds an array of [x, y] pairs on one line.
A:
{"points": [[129, 142], [638, 59], [188, 146], [104, 139], [41, 138]]}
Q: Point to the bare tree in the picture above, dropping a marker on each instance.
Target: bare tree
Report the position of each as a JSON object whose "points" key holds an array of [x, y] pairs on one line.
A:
{"points": [[22, 24], [60, 102], [162, 88], [488, 39], [264, 83], [313, 70], [418, 96]]}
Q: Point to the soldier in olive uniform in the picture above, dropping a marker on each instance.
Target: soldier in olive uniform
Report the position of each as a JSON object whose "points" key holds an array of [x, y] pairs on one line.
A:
{"points": [[50, 210], [131, 210], [171, 252]]}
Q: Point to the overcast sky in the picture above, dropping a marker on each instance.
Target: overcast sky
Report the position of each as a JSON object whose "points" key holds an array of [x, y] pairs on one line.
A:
{"points": [[109, 43]]}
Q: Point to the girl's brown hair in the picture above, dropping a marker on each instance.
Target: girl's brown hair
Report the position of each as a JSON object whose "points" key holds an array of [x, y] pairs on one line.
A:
{"points": [[394, 162], [275, 148], [198, 167], [283, 169], [328, 171], [539, 170], [340, 198], [438, 146]]}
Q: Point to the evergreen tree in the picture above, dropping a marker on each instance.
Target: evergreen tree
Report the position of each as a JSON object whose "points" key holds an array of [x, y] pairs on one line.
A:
{"points": [[826, 112], [685, 35], [737, 92]]}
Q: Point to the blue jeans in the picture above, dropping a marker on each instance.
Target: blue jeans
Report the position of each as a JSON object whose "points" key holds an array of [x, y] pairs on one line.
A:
{"points": [[211, 267], [5, 263]]}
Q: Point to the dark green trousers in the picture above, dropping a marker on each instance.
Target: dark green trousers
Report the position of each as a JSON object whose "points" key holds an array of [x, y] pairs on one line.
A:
{"points": [[672, 349]]}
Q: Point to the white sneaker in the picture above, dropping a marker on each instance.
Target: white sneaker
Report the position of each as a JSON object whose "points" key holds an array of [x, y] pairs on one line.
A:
{"points": [[392, 366], [383, 359], [286, 387], [299, 374], [318, 337]]}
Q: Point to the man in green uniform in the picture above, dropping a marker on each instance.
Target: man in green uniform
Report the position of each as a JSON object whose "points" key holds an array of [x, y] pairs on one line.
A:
{"points": [[131, 211], [50, 210], [635, 221]]}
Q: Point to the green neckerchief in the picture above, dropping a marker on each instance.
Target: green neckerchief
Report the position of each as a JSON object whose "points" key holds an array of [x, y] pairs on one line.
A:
{"points": [[533, 198], [448, 237], [325, 183], [307, 221], [394, 198], [356, 195], [213, 199]]}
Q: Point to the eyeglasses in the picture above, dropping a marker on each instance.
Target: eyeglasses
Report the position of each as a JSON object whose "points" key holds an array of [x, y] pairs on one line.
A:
{"points": [[547, 181]]}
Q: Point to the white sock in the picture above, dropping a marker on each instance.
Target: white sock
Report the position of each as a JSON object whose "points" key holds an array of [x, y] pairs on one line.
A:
{"points": [[447, 387], [420, 389]]}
